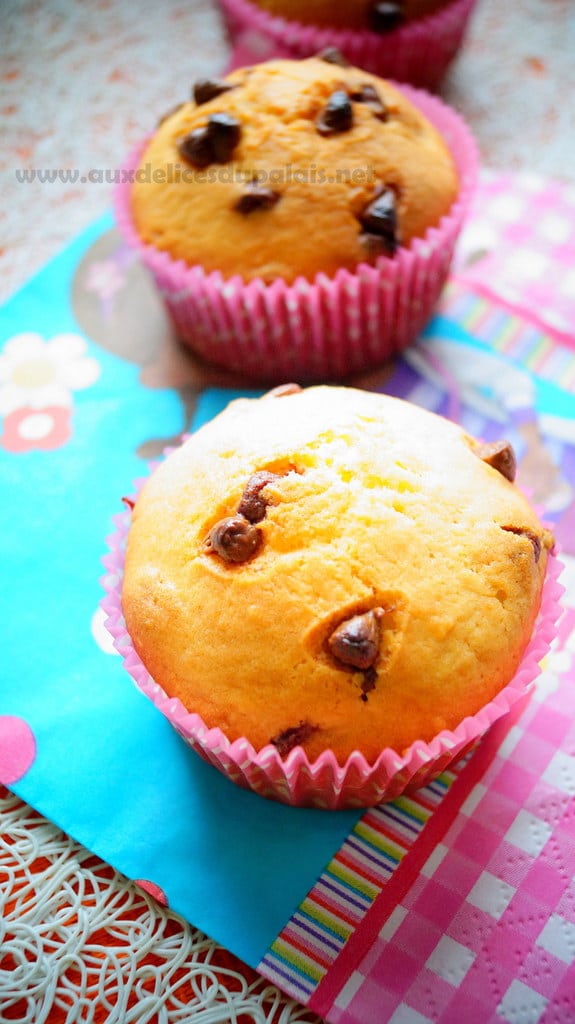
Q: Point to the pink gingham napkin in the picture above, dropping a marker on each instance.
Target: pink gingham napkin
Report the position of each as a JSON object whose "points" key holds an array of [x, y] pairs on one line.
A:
{"points": [[485, 931], [518, 246]]}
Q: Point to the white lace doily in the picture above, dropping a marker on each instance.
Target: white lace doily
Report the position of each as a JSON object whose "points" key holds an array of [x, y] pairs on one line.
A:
{"points": [[93, 947]]}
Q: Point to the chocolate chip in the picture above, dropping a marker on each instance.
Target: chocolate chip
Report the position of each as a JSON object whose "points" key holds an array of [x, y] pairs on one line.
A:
{"points": [[369, 95], [256, 197], [501, 456], [293, 737], [356, 642], [206, 89], [380, 219], [368, 683], [331, 55], [129, 503], [196, 148], [253, 505], [282, 391], [337, 115], [385, 15], [530, 535], [374, 244], [234, 539], [225, 133], [212, 144]]}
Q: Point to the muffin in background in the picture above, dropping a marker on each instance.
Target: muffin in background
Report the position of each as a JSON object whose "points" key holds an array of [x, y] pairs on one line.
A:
{"points": [[332, 593], [296, 168], [411, 41], [377, 16], [299, 217]]}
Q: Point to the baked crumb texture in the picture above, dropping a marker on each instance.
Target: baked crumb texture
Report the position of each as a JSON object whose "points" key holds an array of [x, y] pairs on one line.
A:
{"points": [[387, 588], [291, 168]]}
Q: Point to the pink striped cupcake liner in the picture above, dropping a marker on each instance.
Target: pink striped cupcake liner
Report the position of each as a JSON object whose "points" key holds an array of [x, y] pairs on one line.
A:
{"points": [[418, 52], [325, 329], [324, 783]]}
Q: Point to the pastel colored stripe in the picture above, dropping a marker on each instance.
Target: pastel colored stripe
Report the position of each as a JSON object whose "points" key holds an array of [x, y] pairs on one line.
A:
{"points": [[287, 977], [367, 859], [510, 334], [331, 922], [478, 316], [384, 836], [557, 365], [310, 944], [350, 892], [356, 879], [325, 920], [332, 888], [342, 900], [312, 934], [538, 354]]}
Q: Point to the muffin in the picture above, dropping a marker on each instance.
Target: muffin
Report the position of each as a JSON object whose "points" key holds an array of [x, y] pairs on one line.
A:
{"points": [[284, 145], [292, 176], [408, 40], [335, 571], [379, 17]]}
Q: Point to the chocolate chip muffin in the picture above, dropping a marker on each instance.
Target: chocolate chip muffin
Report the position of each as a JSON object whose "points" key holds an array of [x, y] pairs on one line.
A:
{"points": [[377, 15], [404, 40], [333, 569], [292, 168]]}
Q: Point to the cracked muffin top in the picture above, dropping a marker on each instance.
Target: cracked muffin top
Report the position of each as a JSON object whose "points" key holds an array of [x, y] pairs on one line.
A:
{"points": [[292, 168], [334, 569]]}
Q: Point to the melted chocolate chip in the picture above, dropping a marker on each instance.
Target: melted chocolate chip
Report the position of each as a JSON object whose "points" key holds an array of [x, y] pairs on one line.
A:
{"points": [[282, 391], [196, 148], [206, 89], [380, 219], [256, 197], [225, 133], [369, 95], [234, 539], [129, 503], [385, 15], [337, 115], [356, 642], [212, 144], [530, 535], [253, 505], [331, 55], [368, 683], [374, 244], [501, 456], [293, 737]]}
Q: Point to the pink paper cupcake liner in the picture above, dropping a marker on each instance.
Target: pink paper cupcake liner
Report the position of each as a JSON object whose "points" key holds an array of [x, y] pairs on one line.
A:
{"points": [[418, 52], [327, 329], [324, 783]]}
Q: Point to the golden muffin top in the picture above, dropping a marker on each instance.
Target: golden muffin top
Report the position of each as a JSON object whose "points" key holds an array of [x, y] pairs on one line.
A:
{"points": [[292, 168], [333, 568]]}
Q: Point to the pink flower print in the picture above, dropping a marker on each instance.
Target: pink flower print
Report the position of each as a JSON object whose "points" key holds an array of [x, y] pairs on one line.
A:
{"points": [[37, 380], [26, 429], [104, 278]]}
